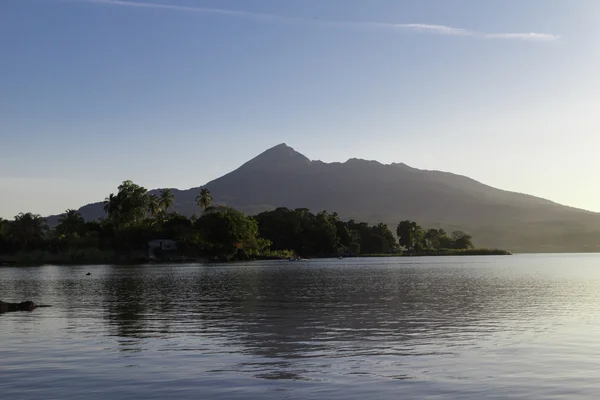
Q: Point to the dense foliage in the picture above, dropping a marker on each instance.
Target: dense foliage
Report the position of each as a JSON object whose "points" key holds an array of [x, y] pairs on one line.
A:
{"points": [[413, 238], [134, 218]]}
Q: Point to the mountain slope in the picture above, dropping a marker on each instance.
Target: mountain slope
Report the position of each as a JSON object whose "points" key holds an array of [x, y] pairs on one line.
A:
{"points": [[371, 191]]}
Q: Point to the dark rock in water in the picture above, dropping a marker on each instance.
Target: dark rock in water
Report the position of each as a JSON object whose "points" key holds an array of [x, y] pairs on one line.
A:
{"points": [[89, 273], [22, 306]]}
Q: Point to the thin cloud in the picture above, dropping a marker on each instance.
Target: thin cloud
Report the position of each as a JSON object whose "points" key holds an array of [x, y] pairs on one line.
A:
{"points": [[436, 29], [174, 7], [419, 28], [536, 37]]}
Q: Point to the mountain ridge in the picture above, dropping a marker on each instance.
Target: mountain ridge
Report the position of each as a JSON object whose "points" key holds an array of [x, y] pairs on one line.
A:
{"points": [[375, 192]]}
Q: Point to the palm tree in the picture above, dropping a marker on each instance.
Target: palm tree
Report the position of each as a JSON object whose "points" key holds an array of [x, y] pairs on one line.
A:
{"points": [[204, 199], [166, 199], [70, 223], [27, 228], [111, 206], [153, 205]]}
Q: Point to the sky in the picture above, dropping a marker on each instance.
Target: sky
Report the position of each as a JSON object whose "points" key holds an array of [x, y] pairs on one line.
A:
{"points": [[175, 93]]}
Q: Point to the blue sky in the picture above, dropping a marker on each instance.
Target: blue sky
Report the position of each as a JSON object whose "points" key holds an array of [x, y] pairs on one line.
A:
{"points": [[177, 93]]}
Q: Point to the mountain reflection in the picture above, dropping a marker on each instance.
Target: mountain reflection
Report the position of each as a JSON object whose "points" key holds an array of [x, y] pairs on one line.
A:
{"points": [[294, 311]]}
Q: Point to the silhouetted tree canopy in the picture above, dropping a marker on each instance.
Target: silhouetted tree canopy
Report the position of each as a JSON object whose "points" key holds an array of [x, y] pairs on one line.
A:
{"points": [[135, 218]]}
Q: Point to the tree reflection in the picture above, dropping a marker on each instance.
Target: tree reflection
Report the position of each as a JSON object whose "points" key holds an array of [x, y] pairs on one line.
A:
{"points": [[288, 312], [139, 303]]}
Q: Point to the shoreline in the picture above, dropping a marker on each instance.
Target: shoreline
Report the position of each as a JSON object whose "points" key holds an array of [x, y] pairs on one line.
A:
{"points": [[448, 252], [15, 262]]}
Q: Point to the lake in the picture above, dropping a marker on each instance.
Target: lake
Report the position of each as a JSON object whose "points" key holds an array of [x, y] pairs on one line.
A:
{"points": [[519, 327]]}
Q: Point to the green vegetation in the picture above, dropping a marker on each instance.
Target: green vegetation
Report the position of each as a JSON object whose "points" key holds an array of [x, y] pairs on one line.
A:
{"points": [[446, 252], [134, 218], [415, 239]]}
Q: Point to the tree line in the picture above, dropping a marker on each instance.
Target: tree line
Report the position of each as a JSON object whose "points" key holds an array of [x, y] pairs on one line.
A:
{"points": [[135, 217]]}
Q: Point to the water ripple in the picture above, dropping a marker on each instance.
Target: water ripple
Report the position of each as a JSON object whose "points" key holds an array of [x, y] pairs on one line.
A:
{"points": [[495, 327]]}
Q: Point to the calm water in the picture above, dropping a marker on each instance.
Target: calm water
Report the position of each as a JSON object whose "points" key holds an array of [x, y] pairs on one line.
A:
{"points": [[478, 327]]}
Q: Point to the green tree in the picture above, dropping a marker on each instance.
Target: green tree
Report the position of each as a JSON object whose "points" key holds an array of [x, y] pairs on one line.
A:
{"points": [[28, 230], [462, 240], [432, 238], [4, 226], [301, 231], [177, 227], [410, 235], [283, 227], [227, 233], [204, 199], [70, 223], [5, 242], [343, 234], [445, 242], [129, 206], [387, 241], [166, 198], [354, 248], [134, 200], [324, 232], [376, 239], [153, 205], [112, 207]]}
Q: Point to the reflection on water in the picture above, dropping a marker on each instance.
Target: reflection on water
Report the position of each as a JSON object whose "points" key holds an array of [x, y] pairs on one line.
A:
{"points": [[497, 326]]}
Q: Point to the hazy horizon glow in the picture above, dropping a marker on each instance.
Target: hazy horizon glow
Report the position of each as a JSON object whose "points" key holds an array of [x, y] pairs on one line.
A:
{"points": [[177, 93]]}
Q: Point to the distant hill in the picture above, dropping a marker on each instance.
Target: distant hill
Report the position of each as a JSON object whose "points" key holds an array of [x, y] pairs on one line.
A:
{"points": [[374, 192]]}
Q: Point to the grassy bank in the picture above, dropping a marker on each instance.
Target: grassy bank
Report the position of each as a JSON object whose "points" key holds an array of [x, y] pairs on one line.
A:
{"points": [[95, 256], [466, 252], [446, 252]]}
